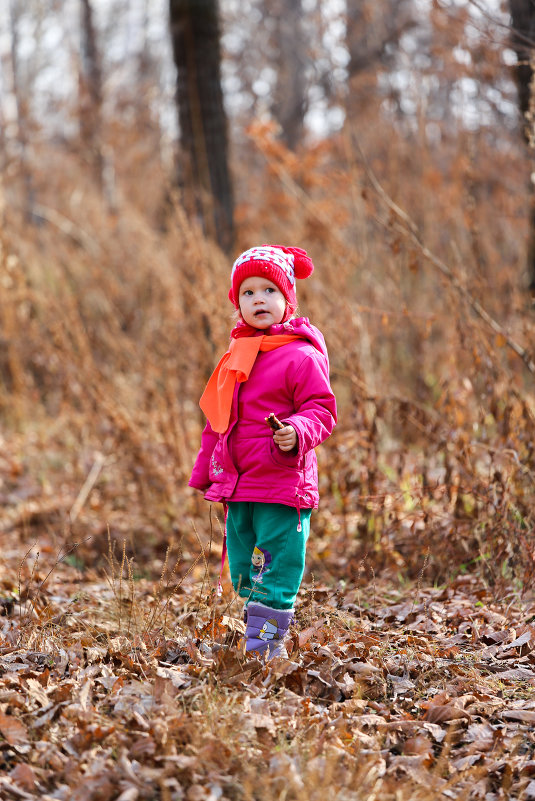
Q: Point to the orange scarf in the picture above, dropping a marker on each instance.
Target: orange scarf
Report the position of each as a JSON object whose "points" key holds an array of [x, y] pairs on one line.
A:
{"points": [[234, 366]]}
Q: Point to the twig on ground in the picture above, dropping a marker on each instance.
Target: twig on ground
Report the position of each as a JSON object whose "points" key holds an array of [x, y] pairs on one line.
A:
{"points": [[87, 486]]}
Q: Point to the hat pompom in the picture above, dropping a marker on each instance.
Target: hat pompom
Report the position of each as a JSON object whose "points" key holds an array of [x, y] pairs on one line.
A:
{"points": [[303, 266]]}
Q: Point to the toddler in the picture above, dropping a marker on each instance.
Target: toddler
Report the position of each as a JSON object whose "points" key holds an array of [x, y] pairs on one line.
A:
{"points": [[267, 480]]}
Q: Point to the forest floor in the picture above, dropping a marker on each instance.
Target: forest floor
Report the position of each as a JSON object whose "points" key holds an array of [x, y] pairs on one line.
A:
{"points": [[118, 687], [113, 689]]}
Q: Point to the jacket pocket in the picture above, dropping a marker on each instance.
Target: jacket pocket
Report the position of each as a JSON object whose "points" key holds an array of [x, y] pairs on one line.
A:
{"points": [[285, 459]]}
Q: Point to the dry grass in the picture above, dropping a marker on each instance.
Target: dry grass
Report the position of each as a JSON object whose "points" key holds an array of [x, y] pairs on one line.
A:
{"points": [[116, 685], [122, 323], [121, 676]]}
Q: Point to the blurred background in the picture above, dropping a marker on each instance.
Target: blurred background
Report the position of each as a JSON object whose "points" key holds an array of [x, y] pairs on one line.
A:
{"points": [[143, 145]]}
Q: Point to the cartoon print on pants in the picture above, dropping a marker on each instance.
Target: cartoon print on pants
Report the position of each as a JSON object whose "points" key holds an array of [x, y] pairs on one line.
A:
{"points": [[269, 630], [260, 559]]}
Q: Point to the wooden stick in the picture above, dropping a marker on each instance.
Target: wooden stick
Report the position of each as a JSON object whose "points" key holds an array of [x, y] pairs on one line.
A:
{"points": [[273, 422]]}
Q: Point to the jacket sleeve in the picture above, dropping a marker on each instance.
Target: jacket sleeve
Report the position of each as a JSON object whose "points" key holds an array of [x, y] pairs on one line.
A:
{"points": [[200, 475], [314, 402]]}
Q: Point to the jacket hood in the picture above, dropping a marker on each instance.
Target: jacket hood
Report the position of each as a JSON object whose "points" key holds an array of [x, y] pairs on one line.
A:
{"points": [[300, 326]]}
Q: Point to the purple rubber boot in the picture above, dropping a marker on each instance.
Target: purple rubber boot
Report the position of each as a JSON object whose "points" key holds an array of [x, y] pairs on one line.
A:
{"points": [[266, 629]]}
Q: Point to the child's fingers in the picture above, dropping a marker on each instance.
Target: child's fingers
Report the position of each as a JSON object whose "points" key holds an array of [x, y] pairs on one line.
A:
{"points": [[285, 438], [283, 434], [286, 446]]}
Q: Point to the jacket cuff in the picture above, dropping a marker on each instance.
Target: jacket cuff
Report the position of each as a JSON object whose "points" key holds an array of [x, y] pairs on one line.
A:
{"points": [[197, 486]]}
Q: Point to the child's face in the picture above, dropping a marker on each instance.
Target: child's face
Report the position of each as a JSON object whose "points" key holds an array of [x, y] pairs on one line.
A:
{"points": [[261, 302]]}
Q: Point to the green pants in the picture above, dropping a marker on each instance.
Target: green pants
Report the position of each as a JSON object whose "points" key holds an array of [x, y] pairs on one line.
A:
{"points": [[266, 552]]}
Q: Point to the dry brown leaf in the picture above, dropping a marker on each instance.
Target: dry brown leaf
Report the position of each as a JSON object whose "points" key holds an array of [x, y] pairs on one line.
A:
{"points": [[522, 715], [437, 732], [524, 639], [142, 747], [180, 761], [174, 674], [529, 791], [196, 793], [517, 674], [481, 735], [233, 624], [84, 696], [467, 761], [419, 746], [489, 636], [416, 767], [24, 776], [364, 670], [311, 631], [62, 692], [10, 790], [401, 685], [263, 722], [443, 713], [13, 730], [130, 794], [103, 788], [46, 716], [370, 720], [37, 692]]}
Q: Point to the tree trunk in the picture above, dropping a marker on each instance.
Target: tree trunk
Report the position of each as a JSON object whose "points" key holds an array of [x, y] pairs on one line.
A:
{"points": [[21, 106], [203, 170], [289, 104], [373, 33], [90, 93], [523, 42]]}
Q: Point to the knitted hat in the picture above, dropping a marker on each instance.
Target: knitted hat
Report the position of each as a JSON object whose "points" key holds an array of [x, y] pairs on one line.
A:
{"points": [[280, 265]]}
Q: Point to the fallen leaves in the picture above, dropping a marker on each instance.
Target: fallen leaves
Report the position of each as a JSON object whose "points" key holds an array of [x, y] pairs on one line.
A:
{"points": [[371, 699]]}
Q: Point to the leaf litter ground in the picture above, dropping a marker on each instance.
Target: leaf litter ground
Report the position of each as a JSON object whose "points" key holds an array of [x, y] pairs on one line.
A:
{"points": [[115, 688]]}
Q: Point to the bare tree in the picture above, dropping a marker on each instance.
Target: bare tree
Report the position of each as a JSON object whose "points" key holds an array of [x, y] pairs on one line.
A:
{"points": [[203, 168], [90, 91], [523, 42], [22, 111], [373, 33], [289, 103]]}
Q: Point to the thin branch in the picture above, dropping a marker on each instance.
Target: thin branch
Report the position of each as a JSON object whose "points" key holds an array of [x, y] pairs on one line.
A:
{"points": [[521, 37], [67, 227], [88, 485], [410, 230]]}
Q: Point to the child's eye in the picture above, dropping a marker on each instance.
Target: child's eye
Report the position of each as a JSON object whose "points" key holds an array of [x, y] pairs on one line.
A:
{"points": [[270, 290]]}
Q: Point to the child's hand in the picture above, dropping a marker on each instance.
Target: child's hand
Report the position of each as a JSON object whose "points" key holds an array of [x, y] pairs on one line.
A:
{"points": [[285, 438]]}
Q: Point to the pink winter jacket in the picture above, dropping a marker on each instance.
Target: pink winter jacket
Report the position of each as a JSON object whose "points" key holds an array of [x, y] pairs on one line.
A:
{"points": [[244, 464]]}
